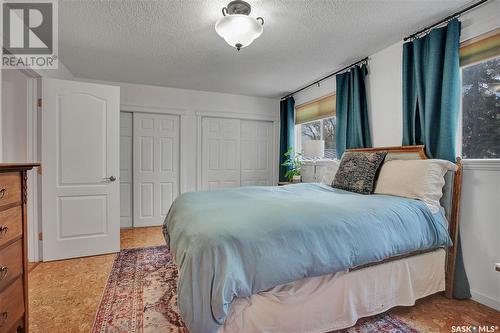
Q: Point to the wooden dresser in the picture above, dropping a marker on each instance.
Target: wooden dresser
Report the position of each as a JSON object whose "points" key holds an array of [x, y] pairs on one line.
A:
{"points": [[13, 247]]}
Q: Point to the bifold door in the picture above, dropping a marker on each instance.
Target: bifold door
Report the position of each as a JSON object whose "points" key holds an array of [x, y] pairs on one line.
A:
{"points": [[80, 163], [256, 153], [126, 176], [155, 167], [236, 153], [220, 153]]}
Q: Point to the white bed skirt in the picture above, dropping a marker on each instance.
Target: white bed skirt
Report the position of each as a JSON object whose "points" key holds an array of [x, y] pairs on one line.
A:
{"points": [[336, 301]]}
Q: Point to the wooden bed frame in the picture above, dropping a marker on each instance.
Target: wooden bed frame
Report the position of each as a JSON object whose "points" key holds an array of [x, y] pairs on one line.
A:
{"points": [[451, 253]]}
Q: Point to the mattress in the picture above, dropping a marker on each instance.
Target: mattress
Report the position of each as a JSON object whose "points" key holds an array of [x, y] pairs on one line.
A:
{"points": [[336, 301]]}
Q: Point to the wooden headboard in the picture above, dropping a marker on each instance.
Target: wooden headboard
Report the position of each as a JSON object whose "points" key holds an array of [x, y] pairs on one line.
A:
{"points": [[450, 200]]}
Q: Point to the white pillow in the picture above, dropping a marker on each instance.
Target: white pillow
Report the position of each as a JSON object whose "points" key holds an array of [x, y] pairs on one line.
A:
{"points": [[415, 179]]}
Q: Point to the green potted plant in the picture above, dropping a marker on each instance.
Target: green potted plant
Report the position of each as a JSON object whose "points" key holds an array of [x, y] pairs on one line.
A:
{"points": [[293, 163]]}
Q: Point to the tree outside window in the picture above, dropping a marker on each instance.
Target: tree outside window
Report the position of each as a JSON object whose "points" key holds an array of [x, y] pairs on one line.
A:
{"points": [[323, 129], [481, 109]]}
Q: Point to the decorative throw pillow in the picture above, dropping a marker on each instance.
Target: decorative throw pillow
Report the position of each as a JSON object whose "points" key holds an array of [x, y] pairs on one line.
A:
{"points": [[358, 170], [415, 179]]}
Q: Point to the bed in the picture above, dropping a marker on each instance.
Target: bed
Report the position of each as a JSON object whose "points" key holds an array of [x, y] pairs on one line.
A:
{"points": [[307, 257]]}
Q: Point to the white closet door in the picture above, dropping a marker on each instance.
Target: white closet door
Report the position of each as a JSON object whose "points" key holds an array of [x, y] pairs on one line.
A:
{"points": [[256, 153], [220, 153], [126, 130], [156, 167]]}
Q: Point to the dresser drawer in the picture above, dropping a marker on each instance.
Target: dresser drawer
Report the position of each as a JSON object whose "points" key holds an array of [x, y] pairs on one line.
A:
{"points": [[11, 306], [11, 263], [10, 188], [11, 224]]}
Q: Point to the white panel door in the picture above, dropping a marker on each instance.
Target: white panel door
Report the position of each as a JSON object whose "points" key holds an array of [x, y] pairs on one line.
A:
{"points": [[156, 167], [80, 160], [126, 130], [220, 153], [256, 153]]}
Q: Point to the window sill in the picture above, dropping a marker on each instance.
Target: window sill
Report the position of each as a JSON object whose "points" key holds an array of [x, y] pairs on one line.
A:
{"points": [[482, 164], [319, 161]]}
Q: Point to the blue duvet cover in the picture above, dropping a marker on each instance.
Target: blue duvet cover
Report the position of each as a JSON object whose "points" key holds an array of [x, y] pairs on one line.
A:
{"points": [[237, 242]]}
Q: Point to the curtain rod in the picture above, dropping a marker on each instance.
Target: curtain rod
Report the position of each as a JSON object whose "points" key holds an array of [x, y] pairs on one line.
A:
{"points": [[325, 77], [448, 18]]}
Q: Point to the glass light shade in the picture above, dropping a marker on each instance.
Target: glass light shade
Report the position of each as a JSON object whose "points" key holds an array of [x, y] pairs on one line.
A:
{"points": [[238, 29]]}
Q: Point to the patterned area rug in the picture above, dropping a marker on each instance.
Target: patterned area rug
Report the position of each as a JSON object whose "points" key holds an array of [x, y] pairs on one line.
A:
{"points": [[141, 297]]}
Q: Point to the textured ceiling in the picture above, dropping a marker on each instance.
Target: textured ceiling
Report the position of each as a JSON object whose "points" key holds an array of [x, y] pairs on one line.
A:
{"points": [[173, 42]]}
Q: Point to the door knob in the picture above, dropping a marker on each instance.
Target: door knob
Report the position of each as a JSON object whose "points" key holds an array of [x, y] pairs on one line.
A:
{"points": [[111, 179]]}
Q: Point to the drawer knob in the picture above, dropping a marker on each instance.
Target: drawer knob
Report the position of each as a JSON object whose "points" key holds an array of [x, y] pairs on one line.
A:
{"points": [[3, 318], [2, 192], [3, 231], [3, 272]]}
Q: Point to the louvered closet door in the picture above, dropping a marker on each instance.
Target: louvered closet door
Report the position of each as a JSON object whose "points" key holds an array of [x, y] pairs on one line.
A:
{"points": [[220, 153], [156, 167], [256, 153]]}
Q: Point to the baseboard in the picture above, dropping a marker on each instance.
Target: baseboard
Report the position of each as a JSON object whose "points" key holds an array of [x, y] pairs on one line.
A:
{"points": [[485, 300], [32, 265]]}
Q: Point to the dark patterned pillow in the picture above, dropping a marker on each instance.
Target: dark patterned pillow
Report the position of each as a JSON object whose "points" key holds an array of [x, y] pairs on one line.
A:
{"points": [[358, 170]]}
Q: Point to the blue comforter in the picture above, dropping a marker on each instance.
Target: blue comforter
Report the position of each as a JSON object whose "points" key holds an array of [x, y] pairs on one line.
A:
{"points": [[237, 242]]}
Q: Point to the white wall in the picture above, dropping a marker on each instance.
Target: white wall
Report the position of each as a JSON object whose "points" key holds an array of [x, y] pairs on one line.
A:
{"points": [[480, 209], [326, 87], [14, 109], [384, 94], [480, 229], [385, 98], [62, 72], [14, 116], [191, 105]]}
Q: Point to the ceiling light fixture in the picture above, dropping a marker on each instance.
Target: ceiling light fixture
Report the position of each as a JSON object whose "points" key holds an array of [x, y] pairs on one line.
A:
{"points": [[236, 27]]}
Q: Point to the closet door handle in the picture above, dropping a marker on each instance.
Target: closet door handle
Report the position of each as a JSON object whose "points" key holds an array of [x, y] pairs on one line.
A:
{"points": [[2, 193], [111, 179], [3, 231]]}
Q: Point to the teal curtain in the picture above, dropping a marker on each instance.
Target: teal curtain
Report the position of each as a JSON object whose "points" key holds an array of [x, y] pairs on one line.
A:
{"points": [[287, 126], [431, 104], [431, 91], [352, 129]]}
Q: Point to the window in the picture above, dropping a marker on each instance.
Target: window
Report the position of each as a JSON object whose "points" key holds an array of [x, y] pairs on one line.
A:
{"points": [[480, 98], [323, 129], [315, 120]]}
